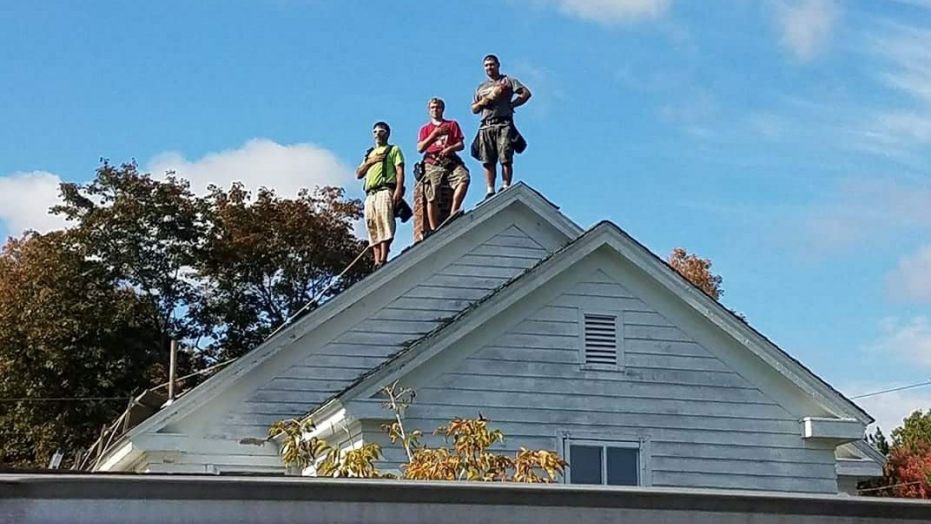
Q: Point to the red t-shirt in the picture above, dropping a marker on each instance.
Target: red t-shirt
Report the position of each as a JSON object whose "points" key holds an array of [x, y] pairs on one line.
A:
{"points": [[454, 136]]}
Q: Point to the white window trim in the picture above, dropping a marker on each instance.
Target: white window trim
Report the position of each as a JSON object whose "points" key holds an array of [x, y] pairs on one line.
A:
{"points": [[640, 442], [618, 338]]}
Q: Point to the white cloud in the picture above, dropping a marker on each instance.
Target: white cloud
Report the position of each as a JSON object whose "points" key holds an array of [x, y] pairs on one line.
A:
{"points": [[25, 199], [863, 209], [889, 409], [692, 113], [912, 278], [259, 162], [908, 340], [806, 26], [611, 11], [905, 68]]}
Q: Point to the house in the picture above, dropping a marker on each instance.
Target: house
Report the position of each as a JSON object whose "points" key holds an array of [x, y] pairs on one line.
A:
{"points": [[580, 341]]}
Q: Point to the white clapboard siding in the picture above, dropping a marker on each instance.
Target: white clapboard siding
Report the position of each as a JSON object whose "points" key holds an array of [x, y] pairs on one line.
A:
{"points": [[330, 369], [707, 426]]}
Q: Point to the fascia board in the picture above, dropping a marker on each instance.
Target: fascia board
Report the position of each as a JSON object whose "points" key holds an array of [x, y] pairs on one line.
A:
{"points": [[862, 468], [120, 457], [520, 193], [869, 451], [833, 429]]}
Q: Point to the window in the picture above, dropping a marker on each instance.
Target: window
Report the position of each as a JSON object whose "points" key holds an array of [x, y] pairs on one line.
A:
{"points": [[610, 463], [600, 349]]}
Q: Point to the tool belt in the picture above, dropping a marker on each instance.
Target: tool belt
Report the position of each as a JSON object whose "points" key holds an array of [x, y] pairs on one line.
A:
{"points": [[382, 187], [497, 120], [446, 162]]}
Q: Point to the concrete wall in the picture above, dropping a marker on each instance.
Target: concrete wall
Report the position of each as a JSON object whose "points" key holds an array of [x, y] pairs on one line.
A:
{"points": [[103, 499]]}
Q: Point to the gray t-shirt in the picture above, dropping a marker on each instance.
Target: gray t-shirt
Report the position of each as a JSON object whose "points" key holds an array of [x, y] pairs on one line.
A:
{"points": [[501, 108]]}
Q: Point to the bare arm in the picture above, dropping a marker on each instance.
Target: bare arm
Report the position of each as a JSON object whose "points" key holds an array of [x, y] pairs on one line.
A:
{"points": [[399, 188], [452, 148], [523, 94], [480, 104], [367, 163], [424, 144], [435, 134]]}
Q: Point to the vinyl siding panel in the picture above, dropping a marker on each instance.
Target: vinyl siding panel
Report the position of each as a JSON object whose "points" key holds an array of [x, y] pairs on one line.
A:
{"points": [[331, 368], [706, 425]]}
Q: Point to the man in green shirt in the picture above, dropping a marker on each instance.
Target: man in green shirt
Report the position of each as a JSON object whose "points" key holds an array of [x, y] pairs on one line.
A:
{"points": [[383, 171]]}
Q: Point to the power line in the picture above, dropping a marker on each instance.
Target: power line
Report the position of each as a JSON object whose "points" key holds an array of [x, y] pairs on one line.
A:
{"points": [[59, 399], [890, 390], [867, 490], [92, 399]]}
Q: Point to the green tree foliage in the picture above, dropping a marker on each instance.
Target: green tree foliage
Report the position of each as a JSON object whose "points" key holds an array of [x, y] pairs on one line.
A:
{"points": [[915, 431], [90, 311], [65, 331], [265, 257], [908, 468], [879, 441], [145, 232]]}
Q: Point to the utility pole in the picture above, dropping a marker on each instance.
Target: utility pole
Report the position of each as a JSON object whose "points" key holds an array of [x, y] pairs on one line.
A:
{"points": [[172, 371]]}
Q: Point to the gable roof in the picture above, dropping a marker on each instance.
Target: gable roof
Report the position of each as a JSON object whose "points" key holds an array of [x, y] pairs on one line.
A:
{"points": [[282, 338], [604, 234]]}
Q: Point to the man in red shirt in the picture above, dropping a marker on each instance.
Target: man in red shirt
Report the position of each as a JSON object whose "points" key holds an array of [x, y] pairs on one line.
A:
{"points": [[439, 140]]}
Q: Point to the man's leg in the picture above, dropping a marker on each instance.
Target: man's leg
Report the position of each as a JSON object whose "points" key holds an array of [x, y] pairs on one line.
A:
{"points": [[385, 248], [505, 155], [489, 178], [433, 212], [376, 254], [459, 179], [434, 176]]}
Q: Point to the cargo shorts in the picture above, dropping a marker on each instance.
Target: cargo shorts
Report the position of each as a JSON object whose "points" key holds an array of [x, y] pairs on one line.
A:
{"points": [[455, 174], [497, 142]]}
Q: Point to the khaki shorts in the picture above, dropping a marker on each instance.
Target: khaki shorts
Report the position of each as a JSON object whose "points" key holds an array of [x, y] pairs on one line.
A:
{"points": [[434, 175], [379, 216]]}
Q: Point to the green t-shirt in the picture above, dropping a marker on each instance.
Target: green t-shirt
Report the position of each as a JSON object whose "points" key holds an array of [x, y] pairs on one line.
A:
{"points": [[375, 177]]}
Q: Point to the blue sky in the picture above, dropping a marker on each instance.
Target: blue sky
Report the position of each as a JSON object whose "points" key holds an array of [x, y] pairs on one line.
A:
{"points": [[787, 140]]}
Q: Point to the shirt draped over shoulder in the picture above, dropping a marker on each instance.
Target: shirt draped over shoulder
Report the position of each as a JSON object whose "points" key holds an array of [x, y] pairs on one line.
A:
{"points": [[501, 108], [377, 176]]}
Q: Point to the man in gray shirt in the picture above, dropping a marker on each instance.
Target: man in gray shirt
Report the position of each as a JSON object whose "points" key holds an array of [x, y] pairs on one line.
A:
{"points": [[497, 139]]}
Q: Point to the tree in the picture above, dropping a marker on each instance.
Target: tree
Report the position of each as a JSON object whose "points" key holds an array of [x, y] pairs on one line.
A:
{"points": [[908, 471], [908, 468], [145, 232], [697, 271], [915, 431], [91, 311], [263, 259], [227, 267], [469, 457], [65, 332], [879, 441]]}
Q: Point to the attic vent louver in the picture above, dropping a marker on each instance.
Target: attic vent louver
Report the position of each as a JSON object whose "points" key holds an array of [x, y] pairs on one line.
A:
{"points": [[600, 340]]}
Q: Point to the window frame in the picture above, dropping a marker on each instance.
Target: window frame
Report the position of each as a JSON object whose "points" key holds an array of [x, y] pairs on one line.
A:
{"points": [[638, 442], [618, 339]]}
